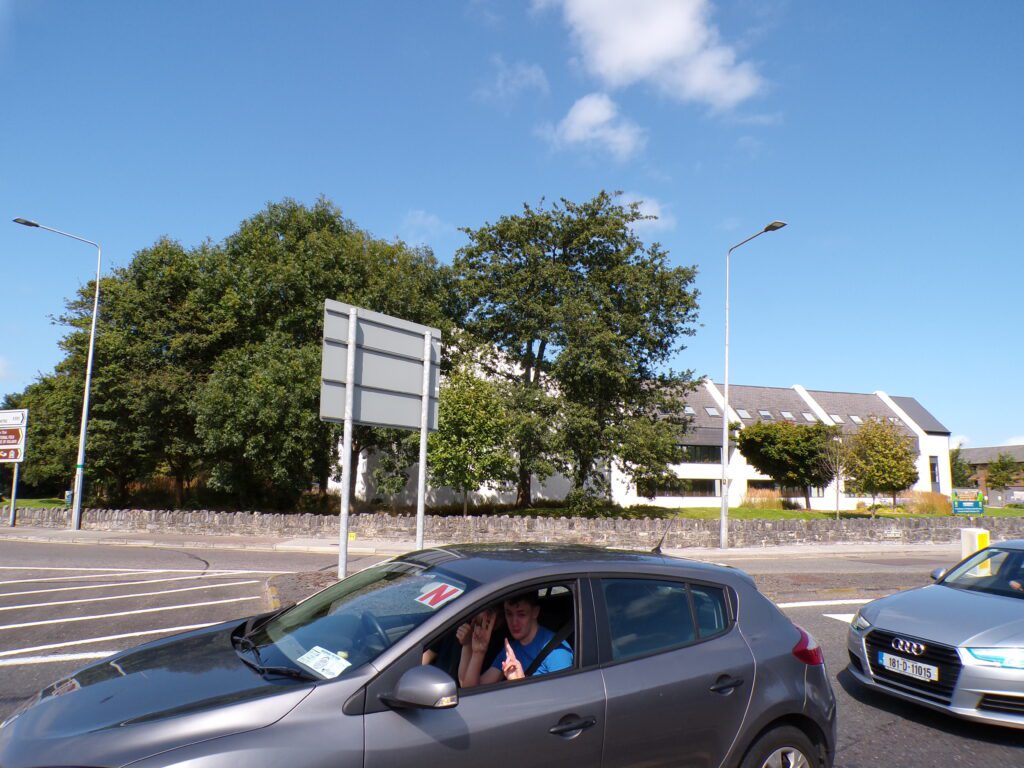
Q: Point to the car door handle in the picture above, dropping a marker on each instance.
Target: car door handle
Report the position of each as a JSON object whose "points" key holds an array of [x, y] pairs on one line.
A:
{"points": [[569, 726], [725, 684]]}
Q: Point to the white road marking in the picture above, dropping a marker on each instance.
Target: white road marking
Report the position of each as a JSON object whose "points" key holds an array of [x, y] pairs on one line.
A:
{"points": [[126, 570], [106, 638], [73, 578], [826, 603], [108, 574], [25, 660], [204, 574], [846, 618], [127, 613], [126, 597]]}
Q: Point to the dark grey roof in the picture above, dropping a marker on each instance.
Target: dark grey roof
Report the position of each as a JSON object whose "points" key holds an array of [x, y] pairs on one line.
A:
{"points": [[920, 415], [987, 455], [847, 404], [703, 429], [771, 399]]}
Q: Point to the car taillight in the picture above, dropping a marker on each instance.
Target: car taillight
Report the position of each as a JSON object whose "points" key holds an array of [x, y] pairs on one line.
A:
{"points": [[807, 649]]}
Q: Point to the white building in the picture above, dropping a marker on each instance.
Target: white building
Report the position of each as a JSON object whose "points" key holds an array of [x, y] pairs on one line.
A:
{"points": [[703, 445], [703, 442]]}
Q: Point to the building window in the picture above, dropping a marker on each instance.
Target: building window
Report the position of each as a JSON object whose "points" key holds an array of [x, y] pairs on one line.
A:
{"points": [[809, 416], [786, 492], [711, 411], [678, 488], [766, 415], [688, 410], [856, 419], [895, 420], [836, 418], [787, 415], [701, 454], [743, 413], [933, 466]]}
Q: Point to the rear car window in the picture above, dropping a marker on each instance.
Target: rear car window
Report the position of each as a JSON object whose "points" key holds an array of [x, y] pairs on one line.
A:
{"points": [[709, 607], [646, 616]]}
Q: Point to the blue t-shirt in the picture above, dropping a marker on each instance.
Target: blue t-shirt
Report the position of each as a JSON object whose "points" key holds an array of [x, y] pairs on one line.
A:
{"points": [[560, 657]]}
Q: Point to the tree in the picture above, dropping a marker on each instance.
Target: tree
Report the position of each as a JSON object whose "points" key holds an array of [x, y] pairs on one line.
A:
{"points": [[579, 309], [835, 461], [1002, 472], [960, 469], [883, 459], [472, 446], [790, 454], [396, 451]]}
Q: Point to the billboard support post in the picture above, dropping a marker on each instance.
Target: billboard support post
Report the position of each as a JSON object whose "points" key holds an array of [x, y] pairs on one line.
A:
{"points": [[346, 451], [421, 485], [14, 495]]}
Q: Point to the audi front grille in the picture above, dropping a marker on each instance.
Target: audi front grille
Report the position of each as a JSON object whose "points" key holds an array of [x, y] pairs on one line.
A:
{"points": [[945, 658]]}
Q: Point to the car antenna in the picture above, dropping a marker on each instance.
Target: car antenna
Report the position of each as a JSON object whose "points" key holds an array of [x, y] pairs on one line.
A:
{"points": [[657, 549]]}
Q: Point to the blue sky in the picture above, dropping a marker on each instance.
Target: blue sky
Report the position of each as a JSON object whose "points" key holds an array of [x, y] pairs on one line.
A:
{"points": [[886, 134]]}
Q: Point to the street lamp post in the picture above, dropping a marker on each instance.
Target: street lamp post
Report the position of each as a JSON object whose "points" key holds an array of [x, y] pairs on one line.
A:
{"points": [[76, 510], [723, 535]]}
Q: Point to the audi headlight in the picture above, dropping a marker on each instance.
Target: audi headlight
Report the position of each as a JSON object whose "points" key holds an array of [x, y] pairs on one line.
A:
{"points": [[1005, 658], [860, 623]]}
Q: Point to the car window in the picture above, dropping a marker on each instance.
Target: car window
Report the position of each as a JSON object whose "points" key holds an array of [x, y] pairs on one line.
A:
{"points": [[709, 608], [992, 570], [647, 616], [539, 623]]}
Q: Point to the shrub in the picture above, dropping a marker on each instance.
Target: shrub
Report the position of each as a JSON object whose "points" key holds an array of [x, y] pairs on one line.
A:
{"points": [[763, 498], [927, 503]]}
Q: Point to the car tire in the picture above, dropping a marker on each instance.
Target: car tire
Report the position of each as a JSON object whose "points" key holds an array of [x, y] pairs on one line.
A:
{"points": [[783, 747]]}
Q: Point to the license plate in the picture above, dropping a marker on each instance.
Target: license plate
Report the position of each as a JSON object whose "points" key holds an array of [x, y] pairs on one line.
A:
{"points": [[914, 669]]}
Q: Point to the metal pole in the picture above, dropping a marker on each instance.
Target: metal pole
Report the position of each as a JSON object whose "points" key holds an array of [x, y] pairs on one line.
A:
{"points": [[723, 529], [14, 495], [723, 533], [346, 450], [76, 510], [421, 484]]}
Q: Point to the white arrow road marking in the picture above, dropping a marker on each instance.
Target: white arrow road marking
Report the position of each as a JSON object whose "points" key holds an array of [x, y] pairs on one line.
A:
{"points": [[203, 575], [106, 638], [844, 617], [126, 597], [127, 613], [24, 660], [825, 603]]}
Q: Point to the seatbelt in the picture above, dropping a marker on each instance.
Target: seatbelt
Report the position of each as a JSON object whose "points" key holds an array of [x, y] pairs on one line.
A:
{"points": [[560, 637]]}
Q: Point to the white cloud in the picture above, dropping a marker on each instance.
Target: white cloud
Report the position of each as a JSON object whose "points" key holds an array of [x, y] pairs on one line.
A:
{"points": [[671, 44], [511, 80], [650, 206], [594, 122], [1016, 440], [420, 227]]}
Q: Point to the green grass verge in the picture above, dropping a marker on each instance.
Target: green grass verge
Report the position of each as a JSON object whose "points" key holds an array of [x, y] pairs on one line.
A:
{"points": [[38, 503]]}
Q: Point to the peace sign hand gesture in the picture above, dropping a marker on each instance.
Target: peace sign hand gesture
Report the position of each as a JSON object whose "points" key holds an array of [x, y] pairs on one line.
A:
{"points": [[511, 667], [482, 629]]}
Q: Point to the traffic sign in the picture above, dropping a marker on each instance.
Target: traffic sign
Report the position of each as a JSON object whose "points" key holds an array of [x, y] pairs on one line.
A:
{"points": [[968, 501], [13, 426]]}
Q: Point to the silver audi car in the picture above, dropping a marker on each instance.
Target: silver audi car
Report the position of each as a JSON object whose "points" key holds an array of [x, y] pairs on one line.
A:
{"points": [[956, 645]]}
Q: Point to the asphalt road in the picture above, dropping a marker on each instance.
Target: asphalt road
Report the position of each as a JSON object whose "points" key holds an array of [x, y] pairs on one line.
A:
{"points": [[58, 605]]}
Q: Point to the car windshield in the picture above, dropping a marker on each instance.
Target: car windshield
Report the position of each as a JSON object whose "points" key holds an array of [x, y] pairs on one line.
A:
{"points": [[354, 621], [993, 570]]}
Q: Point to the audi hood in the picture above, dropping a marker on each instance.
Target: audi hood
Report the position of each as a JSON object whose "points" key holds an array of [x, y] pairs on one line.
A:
{"points": [[950, 616]]}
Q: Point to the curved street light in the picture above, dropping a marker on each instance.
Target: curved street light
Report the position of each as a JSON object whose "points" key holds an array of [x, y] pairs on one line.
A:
{"points": [[76, 510], [723, 534]]}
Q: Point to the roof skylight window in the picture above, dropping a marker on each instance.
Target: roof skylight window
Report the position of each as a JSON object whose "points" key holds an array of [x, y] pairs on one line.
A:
{"points": [[767, 415], [856, 419], [836, 418], [743, 413], [787, 415], [688, 410], [809, 416], [711, 411]]}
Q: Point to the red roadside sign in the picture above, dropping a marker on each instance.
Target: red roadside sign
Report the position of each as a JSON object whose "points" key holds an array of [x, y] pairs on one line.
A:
{"points": [[13, 426], [11, 436], [10, 454]]}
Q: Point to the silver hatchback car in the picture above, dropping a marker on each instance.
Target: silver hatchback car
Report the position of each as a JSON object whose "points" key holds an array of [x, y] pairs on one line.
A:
{"points": [[620, 659], [957, 645]]}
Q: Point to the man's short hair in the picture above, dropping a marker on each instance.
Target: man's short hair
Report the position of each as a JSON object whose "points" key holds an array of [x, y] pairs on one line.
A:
{"points": [[530, 598]]}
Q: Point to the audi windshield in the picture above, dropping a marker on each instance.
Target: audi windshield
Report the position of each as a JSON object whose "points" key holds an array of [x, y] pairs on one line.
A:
{"points": [[993, 570]]}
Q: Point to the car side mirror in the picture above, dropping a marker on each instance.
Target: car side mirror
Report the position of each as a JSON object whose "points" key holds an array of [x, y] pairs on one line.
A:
{"points": [[938, 573], [423, 687]]}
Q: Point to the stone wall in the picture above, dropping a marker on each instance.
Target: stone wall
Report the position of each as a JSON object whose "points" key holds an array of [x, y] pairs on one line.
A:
{"points": [[616, 532]]}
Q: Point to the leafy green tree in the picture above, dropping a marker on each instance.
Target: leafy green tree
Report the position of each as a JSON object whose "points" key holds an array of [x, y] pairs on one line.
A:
{"points": [[790, 454], [961, 470], [883, 459], [1002, 472], [396, 451], [576, 306], [472, 446]]}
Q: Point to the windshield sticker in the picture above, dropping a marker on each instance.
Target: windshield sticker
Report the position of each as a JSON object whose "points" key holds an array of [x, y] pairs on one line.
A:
{"points": [[437, 593], [323, 662]]}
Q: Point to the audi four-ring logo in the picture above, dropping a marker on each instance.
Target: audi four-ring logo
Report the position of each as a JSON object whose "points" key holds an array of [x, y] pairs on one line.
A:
{"points": [[907, 646]]}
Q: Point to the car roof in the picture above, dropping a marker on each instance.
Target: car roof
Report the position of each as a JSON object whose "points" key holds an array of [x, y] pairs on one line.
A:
{"points": [[487, 563], [1010, 544]]}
